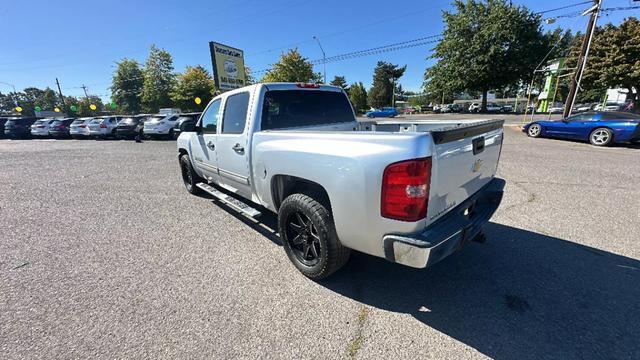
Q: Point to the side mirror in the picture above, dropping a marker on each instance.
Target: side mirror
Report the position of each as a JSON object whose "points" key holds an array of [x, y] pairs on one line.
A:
{"points": [[565, 120], [190, 127]]}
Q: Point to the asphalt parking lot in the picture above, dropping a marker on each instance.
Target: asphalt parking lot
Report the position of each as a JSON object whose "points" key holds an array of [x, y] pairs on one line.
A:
{"points": [[103, 254]]}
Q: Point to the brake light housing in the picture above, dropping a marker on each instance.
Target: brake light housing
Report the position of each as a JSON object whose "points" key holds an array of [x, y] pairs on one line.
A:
{"points": [[308, 86], [405, 190], [103, 126]]}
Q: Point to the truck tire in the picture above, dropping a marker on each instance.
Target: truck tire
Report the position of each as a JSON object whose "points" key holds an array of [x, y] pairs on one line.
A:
{"points": [[309, 237], [189, 176]]}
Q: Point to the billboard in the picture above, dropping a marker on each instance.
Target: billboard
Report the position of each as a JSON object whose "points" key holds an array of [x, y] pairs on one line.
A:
{"points": [[228, 66]]}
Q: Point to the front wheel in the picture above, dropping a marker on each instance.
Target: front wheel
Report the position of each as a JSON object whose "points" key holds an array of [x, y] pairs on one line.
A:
{"points": [[309, 237], [601, 137], [189, 176], [534, 130]]}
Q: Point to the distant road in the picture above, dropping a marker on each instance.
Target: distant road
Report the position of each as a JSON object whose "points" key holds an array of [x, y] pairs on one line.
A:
{"points": [[512, 119]]}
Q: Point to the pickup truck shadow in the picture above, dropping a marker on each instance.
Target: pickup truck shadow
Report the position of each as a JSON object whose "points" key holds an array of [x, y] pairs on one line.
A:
{"points": [[520, 295]]}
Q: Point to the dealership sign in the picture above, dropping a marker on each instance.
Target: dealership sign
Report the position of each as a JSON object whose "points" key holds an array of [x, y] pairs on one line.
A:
{"points": [[228, 66]]}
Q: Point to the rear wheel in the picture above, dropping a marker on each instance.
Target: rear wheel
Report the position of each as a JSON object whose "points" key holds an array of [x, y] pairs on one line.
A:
{"points": [[601, 137], [534, 130], [309, 237], [189, 176]]}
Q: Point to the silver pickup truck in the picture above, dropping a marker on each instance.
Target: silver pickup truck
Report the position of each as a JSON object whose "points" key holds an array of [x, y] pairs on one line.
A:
{"points": [[411, 192]]}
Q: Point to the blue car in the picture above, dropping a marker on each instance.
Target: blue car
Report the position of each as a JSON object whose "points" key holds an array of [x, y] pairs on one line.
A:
{"points": [[600, 128], [384, 112]]}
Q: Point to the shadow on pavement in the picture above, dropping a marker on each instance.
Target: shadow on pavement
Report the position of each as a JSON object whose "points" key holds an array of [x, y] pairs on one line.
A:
{"points": [[520, 295]]}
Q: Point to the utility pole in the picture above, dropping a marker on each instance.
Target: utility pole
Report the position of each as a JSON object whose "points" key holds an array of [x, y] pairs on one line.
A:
{"points": [[64, 107], [324, 59], [85, 91], [582, 59]]}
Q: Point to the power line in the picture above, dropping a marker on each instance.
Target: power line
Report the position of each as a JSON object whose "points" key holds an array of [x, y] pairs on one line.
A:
{"points": [[564, 7], [371, 51]]}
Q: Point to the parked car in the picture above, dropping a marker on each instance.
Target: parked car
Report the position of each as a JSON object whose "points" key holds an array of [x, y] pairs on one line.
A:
{"points": [[383, 188], [60, 128], [79, 128], [131, 126], [437, 108], [555, 109], [19, 127], [40, 128], [186, 120], [160, 125], [599, 128], [506, 109], [610, 106], [491, 107], [3, 120], [451, 108], [410, 110], [582, 108], [103, 127], [384, 112]]}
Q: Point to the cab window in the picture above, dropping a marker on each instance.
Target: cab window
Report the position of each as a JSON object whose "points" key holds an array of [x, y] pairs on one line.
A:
{"points": [[235, 113], [210, 118]]}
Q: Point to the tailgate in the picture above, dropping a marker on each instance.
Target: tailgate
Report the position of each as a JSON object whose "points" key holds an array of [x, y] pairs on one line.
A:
{"points": [[465, 158]]}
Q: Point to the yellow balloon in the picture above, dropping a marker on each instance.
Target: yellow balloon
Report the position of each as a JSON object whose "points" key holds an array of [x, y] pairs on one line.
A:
{"points": [[198, 100], [57, 109], [19, 108], [92, 107]]}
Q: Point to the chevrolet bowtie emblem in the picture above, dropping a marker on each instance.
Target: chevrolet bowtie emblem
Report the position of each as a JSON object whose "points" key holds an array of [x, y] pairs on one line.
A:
{"points": [[476, 166]]}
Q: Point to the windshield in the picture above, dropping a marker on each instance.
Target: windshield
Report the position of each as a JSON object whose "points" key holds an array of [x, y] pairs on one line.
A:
{"points": [[292, 108], [155, 118], [95, 121], [79, 121]]}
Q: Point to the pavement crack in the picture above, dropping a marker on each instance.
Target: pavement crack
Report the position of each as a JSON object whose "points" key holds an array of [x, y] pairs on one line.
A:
{"points": [[21, 265], [356, 344], [531, 196]]}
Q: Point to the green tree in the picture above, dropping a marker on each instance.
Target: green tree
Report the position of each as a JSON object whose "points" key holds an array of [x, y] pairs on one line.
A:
{"points": [[340, 81], [385, 76], [84, 106], [249, 79], [194, 82], [126, 86], [358, 97], [48, 100], [614, 60], [486, 45], [292, 67], [158, 80]]}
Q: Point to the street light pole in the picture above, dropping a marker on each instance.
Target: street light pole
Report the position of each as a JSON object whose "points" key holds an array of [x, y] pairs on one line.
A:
{"points": [[324, 59]]}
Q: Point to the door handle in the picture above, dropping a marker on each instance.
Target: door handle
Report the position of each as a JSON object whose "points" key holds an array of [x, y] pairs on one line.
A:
{"points": [[211, 145], [238, 148]]}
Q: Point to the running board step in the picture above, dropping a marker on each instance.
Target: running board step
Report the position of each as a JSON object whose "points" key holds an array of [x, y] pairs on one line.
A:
{"points": [[230, 200]]}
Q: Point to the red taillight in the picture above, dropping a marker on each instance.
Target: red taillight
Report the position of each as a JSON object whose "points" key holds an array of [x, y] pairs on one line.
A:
{"points": [[103, 126], [405, 190], [308, 86], [82, 126]]}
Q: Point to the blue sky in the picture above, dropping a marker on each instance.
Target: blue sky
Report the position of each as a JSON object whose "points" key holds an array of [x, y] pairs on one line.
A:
{"points": [[80, 41]]}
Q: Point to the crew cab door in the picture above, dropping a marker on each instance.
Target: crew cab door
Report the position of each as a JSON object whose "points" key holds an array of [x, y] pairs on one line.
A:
{"points": [[232, 146], [204, 150]]}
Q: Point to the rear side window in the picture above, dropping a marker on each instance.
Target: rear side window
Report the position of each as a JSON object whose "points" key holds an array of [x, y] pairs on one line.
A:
{"points": [[293, 108], [235, 113]]}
